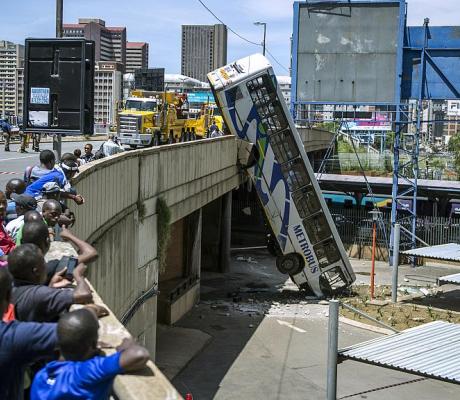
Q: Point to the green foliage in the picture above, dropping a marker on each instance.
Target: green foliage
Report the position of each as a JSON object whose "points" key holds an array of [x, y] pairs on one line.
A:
{"points": [[164, 232], [328, 126], [345, 147], [388, 164], [454, 147]]}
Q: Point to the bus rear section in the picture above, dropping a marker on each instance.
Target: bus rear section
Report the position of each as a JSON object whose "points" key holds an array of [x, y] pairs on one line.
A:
{"points": [[254, 110]]}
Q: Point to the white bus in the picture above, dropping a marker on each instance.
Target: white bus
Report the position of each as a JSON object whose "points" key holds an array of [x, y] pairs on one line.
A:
{"points": [[254, 110]]}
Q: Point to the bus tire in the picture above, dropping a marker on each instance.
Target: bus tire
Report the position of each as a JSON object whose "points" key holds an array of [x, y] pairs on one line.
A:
{"points": [[290, 264], [133, 146]]}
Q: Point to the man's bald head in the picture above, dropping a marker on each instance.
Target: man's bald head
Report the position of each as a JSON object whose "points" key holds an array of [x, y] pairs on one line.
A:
{"points": [[36, 233], [32, 216], [51, 212], [15, 186], [78, 334], [52, 205]]}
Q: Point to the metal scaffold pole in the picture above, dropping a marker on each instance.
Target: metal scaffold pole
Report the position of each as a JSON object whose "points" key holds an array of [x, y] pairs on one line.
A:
{"points": [[57, 139], [409, 145], [333, 348]]}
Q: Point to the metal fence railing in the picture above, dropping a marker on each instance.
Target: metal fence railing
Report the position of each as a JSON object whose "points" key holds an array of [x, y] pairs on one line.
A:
{"points": [[355, 225]]}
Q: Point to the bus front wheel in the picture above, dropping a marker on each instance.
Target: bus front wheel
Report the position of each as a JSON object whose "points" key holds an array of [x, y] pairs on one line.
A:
{"points": [[290, 264]]}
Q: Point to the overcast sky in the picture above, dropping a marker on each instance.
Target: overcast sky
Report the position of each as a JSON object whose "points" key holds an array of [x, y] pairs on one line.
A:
{"points": [[158, 22]]}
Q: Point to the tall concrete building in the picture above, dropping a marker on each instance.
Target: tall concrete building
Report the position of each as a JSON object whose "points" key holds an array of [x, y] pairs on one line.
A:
{"points": [[204, 48], [137, 56], [108, 81], [110, 42], [11, 78]]}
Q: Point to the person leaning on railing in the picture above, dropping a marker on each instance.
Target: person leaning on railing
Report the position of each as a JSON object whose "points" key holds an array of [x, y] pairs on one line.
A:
{"points": [[83, 371]]}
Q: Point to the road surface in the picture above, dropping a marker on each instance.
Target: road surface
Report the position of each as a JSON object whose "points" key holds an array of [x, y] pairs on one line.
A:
{"points": [[13, 164]]}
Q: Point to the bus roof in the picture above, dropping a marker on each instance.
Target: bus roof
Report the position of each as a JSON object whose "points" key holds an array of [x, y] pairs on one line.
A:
{"points": [[238, 70]]}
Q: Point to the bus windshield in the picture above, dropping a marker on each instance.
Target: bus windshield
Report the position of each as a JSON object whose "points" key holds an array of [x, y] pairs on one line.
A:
{"points": [[141, 105]]}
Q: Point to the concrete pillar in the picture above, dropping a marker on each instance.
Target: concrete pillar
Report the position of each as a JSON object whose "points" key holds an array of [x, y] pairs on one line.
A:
{"points": [[194, 228], [226, 232]]}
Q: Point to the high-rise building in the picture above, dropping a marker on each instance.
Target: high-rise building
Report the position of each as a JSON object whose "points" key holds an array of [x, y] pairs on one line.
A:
{"points": [[110, 42], [108, 81], [19, 77], [137, 56], [204, 48], [11, 78]]}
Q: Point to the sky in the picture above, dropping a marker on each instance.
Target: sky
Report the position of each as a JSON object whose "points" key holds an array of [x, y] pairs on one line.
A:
{"points": [[159, 22]]}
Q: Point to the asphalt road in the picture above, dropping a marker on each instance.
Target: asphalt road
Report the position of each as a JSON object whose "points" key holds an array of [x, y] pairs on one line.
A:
{"points": [[13, 164]]}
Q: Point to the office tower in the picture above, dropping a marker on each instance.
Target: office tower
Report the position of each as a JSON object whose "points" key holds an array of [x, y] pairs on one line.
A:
{"points": [[204, 48], [11, 78], [110, 42], [137, 56]]}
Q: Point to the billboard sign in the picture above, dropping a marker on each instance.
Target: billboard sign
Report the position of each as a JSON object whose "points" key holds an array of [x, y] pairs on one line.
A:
{"points": [[59, 86], [347, 51]]}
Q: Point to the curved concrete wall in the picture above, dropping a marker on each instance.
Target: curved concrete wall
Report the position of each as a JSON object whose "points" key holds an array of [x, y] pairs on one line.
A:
{"points": [[119, 216]]}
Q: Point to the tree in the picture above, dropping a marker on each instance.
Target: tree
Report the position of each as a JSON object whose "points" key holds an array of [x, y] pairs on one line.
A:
{"points": [[454, 148]]}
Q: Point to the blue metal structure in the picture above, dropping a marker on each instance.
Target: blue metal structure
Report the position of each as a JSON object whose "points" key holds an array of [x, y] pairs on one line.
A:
{"points": [[427, 68]]}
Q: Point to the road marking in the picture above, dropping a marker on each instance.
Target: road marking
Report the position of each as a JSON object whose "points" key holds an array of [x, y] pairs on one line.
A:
{"points": [[289, 325], [17, 158], [8, 173]]}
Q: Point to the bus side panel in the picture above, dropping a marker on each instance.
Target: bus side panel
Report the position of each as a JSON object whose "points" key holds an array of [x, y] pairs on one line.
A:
{"points": [[271, 186], [345, 263]]}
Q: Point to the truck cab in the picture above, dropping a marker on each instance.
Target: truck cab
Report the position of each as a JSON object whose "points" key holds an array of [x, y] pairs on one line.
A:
{"points": [[139, 121]]}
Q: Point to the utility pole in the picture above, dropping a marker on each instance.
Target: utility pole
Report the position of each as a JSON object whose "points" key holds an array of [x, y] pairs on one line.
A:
{"points": [[265, 34], [57, 139]]}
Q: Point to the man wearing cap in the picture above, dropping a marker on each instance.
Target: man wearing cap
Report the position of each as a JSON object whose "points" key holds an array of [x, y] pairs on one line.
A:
{"points": [[50, 191], [61, 174], [24, 203]]}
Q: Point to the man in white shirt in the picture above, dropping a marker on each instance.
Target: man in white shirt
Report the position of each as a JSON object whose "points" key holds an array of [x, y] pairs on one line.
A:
{"points": [[24, 203], [111, 146]]}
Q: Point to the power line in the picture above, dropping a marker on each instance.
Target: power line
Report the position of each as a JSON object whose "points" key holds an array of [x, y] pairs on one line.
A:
{"points": [[274, 59], [241, 37], [230, 29]]}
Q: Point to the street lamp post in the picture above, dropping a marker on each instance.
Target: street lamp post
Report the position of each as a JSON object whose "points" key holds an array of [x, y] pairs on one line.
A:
{"points": [[265, 34]]}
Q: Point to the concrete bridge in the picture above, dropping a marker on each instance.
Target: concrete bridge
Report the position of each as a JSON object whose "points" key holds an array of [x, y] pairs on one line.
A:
{"points": [[133, 200]]}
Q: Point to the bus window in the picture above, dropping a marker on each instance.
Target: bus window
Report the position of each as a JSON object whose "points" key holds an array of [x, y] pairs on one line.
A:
{"points": [[327, 253], [284, 146], [317, 228], [295, 173], [263, 95], [306, 201]]}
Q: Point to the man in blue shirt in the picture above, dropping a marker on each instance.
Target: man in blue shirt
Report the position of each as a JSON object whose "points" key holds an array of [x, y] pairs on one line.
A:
{"points": [[21, 343], [6, 129], [61, 174], [83, 372]]}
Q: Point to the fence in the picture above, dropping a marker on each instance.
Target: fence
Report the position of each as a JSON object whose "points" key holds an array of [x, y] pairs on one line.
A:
{"points": [[351, 222], [436, 167], [354, 226]]}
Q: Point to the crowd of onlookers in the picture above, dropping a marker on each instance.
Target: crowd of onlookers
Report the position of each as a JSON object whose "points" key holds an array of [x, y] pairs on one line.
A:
{"points": [[108, 148], [46, 350]]}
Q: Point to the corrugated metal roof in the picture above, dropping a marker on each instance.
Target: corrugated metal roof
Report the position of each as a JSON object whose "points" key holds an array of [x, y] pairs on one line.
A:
{"points": [[446, 252], [454, 278], [431, 350]]}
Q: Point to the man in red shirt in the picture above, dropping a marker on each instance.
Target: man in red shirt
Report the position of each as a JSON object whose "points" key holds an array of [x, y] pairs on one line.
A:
{"points": [[6, 243]]}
